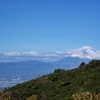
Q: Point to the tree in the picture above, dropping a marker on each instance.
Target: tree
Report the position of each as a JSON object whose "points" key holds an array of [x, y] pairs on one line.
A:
{"points": [[82, 65]]}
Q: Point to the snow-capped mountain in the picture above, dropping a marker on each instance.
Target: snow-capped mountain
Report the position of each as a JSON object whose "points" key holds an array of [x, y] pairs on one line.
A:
{"points": [[86, 52]]}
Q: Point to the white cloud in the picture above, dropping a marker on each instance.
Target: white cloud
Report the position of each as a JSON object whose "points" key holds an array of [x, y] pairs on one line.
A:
{"points": [[50, 55], [12, 53], [31, 53], [84, 52]]}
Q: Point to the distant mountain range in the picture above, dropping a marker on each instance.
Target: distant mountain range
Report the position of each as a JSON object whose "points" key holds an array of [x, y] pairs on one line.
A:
{"points": [[69, 62], [12, 73]]}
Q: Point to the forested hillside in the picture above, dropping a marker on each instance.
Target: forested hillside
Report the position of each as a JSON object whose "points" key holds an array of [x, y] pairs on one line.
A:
{"points": [[59, 85]]}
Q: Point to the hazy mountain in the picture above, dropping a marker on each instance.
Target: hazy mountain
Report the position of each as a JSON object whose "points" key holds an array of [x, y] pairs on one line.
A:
{"points": [[12, 73], [70, 62]]}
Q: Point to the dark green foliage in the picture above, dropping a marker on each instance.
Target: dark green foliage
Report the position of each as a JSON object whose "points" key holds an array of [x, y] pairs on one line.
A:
{"points": [[59, 85], [82, 65]]}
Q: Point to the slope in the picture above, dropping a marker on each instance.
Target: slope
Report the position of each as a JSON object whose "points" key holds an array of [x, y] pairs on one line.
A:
{"points": [[59, 85]]}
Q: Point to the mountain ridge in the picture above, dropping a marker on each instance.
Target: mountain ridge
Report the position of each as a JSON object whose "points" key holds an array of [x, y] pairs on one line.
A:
{"points": [[12, 73]]}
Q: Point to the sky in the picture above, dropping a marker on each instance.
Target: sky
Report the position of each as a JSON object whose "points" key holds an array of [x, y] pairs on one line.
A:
{"points": [[49, 25]]}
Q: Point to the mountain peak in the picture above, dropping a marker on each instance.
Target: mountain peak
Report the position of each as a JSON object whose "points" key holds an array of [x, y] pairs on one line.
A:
{"points": [[86, 52], [86, 47]]}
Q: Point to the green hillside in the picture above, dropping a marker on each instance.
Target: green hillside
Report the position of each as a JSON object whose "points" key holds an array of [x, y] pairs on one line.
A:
{"points": [[59, 85]]}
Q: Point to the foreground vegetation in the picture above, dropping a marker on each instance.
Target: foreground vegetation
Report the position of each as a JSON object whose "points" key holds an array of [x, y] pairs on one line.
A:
{"points": [[60, 85]]}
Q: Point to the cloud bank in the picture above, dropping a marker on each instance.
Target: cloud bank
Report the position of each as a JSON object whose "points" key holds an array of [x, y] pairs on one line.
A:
{"points": [[32, 55], [84, 52]]}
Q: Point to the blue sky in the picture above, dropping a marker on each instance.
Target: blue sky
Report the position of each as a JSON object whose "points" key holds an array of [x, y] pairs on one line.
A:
{"points": [[49, 25]]}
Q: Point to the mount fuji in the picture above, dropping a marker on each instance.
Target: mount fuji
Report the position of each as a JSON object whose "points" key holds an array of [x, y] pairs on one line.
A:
{"points": [[83, 54], [86, 52]]}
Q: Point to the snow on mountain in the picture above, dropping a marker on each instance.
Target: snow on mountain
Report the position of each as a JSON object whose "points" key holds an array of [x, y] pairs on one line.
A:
{"points": [[86, 52]]}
